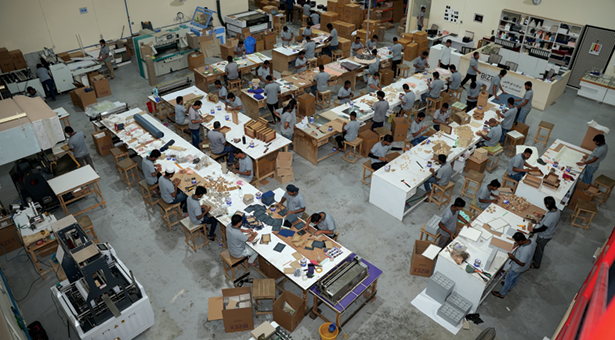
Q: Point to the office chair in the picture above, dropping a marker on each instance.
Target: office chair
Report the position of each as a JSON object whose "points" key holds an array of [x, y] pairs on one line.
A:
{"points": [[494, 59], [513, 66]]}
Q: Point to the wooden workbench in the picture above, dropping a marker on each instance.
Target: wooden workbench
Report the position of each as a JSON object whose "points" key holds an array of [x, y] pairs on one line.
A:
{"points": [[83, 178]]}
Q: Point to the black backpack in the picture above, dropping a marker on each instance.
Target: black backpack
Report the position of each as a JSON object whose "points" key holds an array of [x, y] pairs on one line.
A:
{"points": [[37, 332]]}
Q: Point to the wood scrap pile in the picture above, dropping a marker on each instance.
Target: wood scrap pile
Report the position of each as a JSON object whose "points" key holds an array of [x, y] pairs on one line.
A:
{"points": [[441, 148], [516, 203]]}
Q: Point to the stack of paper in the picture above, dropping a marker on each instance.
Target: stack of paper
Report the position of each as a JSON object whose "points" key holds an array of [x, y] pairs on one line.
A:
{"points": [[498, 225]]}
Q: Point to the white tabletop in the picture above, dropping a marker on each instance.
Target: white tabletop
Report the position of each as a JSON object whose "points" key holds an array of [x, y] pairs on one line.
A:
{"points": [[295, 48], [61, 112], [73, 179]]}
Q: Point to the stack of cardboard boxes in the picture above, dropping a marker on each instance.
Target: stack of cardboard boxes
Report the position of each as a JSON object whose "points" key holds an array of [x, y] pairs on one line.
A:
{"points": [[327, 18], [421, 39], [478, 161], [344, 29], [284, 167], [83, 96], [100, 83], [353, 14], [6, 64], [234, 308], [345, 46], [411, 49]]}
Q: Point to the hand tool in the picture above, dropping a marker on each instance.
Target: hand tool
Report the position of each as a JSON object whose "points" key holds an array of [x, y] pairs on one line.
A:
{"points": [[417, 162], [403, 181]]}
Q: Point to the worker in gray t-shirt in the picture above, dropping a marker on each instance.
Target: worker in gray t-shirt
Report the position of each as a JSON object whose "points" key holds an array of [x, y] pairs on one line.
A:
{"points": [[272, 91], [287, 126], [323, 222], [493, 136], [295, 202], [46, 81], [496, 84], [545, 230], [485, 194], [239, 49], [442, 177], [322, 81], [373, 83], [194, 123], [519, 261], [345, 93], [454, 81], [472, 70], [518, 165], [218, 144], [593, 160], [434, 88], [151, 171], [448, 223], [76, 144], [380, 111], [301, 62], [236, 240], [408, 99], [180, 111], [231, 69], [356, 46], [508, 116], [234, 104], [526, 103], [309, 47], [222, 92], [245, 166], [105, 56], [420, 63], [396, 51], [198, 213], [264, 71], [287, 36], [379, 152], [350, 131]]}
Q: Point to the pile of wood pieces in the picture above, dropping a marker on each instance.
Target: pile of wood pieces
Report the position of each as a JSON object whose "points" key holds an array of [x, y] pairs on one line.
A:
{"points": [[478, 115], [188, 102], [259, 129], [516, 203], [551, 181], [464, 132], [219, 184], [441, 148]]}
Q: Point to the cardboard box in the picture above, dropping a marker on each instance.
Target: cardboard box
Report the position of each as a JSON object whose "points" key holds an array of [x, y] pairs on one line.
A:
{"points": [[327, 18], [4, 54], [324, 60], [268, 269], [284, 160], [287, 320], [524, 129], [101, 86], [259, 46], [399, 128], [236, 319], [284, 179], [386, 77], [270, 40], [91, 75], [461, 118], [579, 193], [419, 264], [210, 46], [404, 42], [407, 36], [419, 36], [18, 59], [193, 40], [370, 138], [269, 8], [475, 164], [8, 237], [307, 104], [103, 142], [195, 60], [411, 51], [7, 65], [82, 98]]}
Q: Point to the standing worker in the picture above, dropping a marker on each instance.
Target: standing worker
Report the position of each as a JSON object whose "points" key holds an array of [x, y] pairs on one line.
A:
{"points": [[332, 39], [287, 36], [197, 212], [519, 261], [194, 123], [272, 90], [445, 55], [396, 50], [45, 78], [105, 56], [526, 106], [472, 70], [593, 160], [545, 230], [373, 67], [496, 83], [350, 131], [76, 144], [448, 223], [290, 4], [508, 117], [380, 110], [295, 200], [420, 17]]}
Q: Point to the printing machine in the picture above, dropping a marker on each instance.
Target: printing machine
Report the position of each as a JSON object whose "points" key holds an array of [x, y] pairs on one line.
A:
{"points": [[256, 21], [100, 297], [18, 81], [341, 281], [169, 50], [63, 72]]}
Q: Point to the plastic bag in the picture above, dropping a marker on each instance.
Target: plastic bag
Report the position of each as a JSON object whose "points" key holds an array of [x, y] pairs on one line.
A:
{"points": [[93, 110]]}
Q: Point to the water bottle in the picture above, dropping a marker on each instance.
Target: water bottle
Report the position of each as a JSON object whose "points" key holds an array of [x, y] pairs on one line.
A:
{"points": [[229, 202], [155, 92], [457, 142]]}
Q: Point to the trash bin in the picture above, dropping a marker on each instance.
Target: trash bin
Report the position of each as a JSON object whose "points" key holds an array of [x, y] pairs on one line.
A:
{"points": [[250, 44]]}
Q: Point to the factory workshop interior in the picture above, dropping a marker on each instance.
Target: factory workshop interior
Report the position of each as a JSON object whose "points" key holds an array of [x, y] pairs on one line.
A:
{"points": [[294, 169]]}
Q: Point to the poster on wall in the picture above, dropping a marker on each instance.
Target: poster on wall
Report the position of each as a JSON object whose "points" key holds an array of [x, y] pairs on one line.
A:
{"points": [[451, 15], [511, 85], [595, 49]]}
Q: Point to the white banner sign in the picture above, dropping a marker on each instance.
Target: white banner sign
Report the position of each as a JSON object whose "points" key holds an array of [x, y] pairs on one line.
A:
{"points": [[511, 85]]}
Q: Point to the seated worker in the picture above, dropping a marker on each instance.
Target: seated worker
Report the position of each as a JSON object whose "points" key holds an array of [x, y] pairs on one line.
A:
{"points": [[373, 67], [309, 47], [239, 49], [509, 114], [287, 36], [381, 107], [169, 191], [301, 62], [373, 43], [295, 200], [448, 223], [407, 101], [484, 195], [287, 128], [236, 240], [373, 83], [180, 111], [518, 166], [493, 136], [442, 177], [218, 144], [264, 71], [231, 69], [417, 128], [379, 151], [345, 93], [315, 18], [272, 92], [420, 63], [151, 171], [520, 260], [433, 88], [198, 212], [322, 81], [33, 93], [233, 103], [473, 93], [307, 31], [245, 168], [350, 131], [454, 81], [222, 92], [323, 222], [441, 116], [544, 229], [307, 9], [356, 46]]}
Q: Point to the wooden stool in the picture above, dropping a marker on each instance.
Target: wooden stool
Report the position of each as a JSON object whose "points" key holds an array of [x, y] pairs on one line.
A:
{"points": [[608, 184], [304, 20], [437, 103], [472, 183], [475, 210], [428, 235], [234, 86], [119, 153], [229, 263], [352, 156], [181, 130], [548, 127], [454, 96], [312, 62], [337, 54], [191, 232], [583, 214], [403, 71], [85, 223], [323, 99], [382, 131], [146, 192], [168, 210], [458, 107], [494, 157], [508, 182], [441, 195], [129, 172], [367, 166], [513, 138], [263, 289], [409, 114]]}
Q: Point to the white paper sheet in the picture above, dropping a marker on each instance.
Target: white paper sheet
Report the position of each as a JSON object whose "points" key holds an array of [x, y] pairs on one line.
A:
{"points": [[431, 252], [470, 233]]}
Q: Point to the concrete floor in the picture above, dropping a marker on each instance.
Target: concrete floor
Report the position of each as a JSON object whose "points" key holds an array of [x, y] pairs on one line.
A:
{"points": [[179, 281]]}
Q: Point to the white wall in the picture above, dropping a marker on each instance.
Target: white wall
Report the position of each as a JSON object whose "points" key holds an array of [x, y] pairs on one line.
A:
{"points": [[30, 25]]}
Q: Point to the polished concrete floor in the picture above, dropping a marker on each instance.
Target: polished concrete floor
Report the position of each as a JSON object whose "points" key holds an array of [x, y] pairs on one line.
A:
{"points": [[179, 281]]}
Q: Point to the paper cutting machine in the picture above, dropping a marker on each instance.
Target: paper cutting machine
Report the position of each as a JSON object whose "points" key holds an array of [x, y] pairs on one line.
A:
{"points": [[168, 50], [337, 284]]}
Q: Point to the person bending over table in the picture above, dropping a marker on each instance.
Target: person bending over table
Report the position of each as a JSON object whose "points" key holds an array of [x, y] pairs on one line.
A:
{"points": [[309, 47], [433, 88], [218, 144], [264, 71], [245, 167], [287, 36], [593, 160], [373, 43], [442, 177], [448, 223], [496, 83], [485, 193], [519, 262], [518, 166], [373, 83], [151, 171], [222, 92], [295, 200], [76, 144], [441, 116], [236, 240], [508, 116], [356, 46], [301, 62], [239, 49], [169, 188], [272, 91], [420, 63], [417, 128], [493, 136], [380, 110], [379, 151], [194, 123], [372, 68], [345, 93], [323, 222], [198, 212], [350, 131], [231, 69], [233, 103], [545, 230], [321, 79]]}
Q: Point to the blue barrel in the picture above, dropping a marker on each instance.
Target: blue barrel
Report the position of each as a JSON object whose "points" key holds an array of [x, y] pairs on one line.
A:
{"points": [[250, 43]]}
